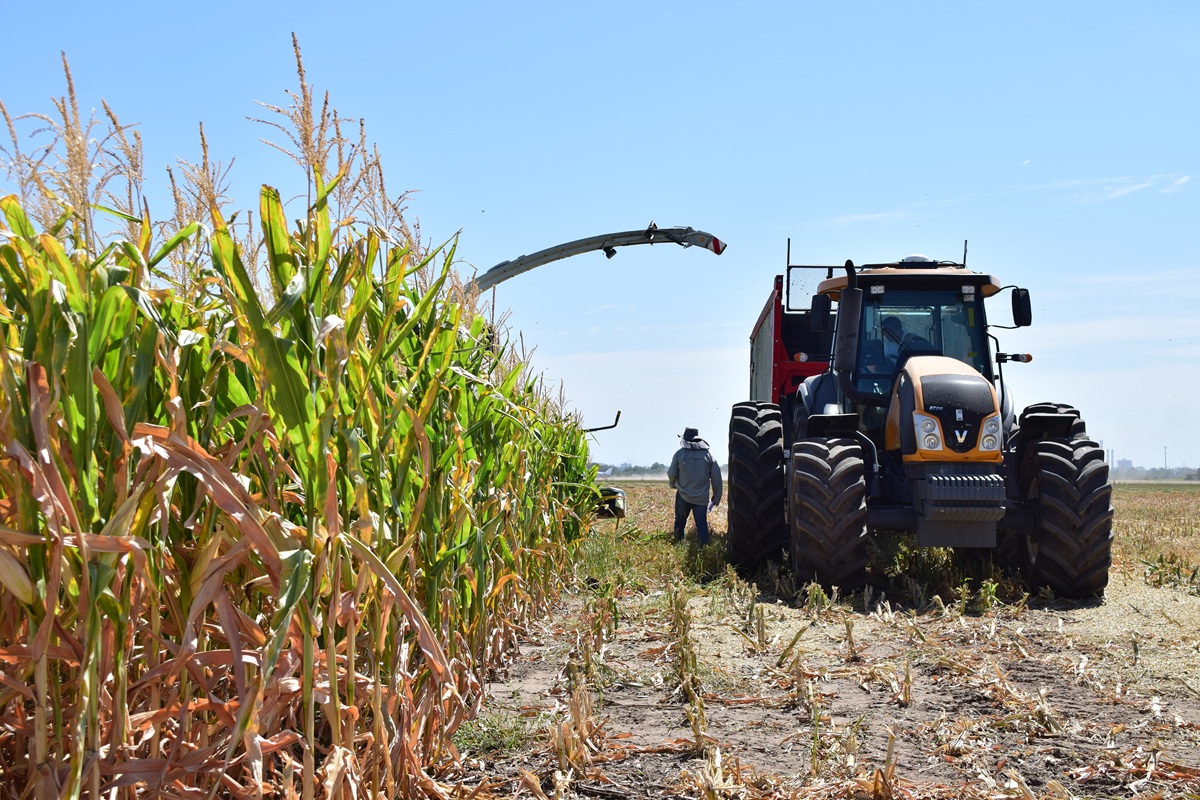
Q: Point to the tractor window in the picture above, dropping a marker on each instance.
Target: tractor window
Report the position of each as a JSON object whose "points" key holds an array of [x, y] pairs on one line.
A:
{"points": [[905, 322]]}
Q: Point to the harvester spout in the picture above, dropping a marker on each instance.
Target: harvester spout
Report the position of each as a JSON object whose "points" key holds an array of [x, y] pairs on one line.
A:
{"points": [[684, 237]]}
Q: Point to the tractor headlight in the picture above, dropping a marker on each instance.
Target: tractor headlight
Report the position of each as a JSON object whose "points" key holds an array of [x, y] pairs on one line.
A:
{"points": [[991, 434], [928, 432]]}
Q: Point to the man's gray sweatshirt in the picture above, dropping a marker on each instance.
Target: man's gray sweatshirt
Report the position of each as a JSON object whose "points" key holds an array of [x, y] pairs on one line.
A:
{"points": [[693, 470]]}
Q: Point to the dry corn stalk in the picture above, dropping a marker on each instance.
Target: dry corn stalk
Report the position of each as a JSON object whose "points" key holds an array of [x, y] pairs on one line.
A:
{"points": [[258, 540]]}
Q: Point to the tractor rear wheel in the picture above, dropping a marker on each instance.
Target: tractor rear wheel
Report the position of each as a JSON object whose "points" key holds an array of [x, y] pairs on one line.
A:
{"points": [[827, 494], [1071, 549], [1078, 427], [756, 532]]}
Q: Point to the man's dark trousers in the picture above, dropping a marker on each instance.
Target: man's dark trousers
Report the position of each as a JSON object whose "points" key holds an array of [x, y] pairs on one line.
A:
{"points": [[699, 513]]}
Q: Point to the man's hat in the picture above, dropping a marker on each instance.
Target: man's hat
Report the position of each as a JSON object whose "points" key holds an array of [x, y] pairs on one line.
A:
{"points": [[690, 434]]}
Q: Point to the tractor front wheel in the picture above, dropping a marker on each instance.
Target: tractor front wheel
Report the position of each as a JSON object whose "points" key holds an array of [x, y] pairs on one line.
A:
{"points": [[827, 507], [1071, 548]]}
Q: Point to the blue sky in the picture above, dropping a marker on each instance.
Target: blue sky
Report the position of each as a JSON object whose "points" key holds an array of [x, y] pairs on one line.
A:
{"points": [[1061, 139]]}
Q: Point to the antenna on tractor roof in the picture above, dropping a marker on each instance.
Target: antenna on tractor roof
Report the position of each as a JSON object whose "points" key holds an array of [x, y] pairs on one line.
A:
{"points": [[964, 252]]}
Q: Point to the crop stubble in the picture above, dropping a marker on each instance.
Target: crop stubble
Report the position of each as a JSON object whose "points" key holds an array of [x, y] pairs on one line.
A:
{"points": [[953, 699]]}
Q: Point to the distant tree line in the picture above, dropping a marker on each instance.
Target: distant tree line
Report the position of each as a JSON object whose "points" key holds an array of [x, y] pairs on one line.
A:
{"points": [[628, 470], [1124, 473], [1121, 473]]}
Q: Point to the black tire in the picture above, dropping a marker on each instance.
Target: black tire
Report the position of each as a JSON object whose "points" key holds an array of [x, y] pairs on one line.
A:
{"points": [[1071, 549], [827, 493], [1078, 427], [757, 532]]}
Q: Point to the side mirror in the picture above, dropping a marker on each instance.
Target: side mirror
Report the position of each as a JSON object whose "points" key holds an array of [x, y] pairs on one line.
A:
{"points": [[1022, 310], [821, 317]]}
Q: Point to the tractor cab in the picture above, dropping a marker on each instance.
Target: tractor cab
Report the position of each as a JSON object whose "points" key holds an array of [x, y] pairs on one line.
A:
{"points": [[909, 318], [898, 323]]}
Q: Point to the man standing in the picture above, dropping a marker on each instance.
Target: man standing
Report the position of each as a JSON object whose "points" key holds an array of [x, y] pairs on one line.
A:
{"points": [[693, 470]]}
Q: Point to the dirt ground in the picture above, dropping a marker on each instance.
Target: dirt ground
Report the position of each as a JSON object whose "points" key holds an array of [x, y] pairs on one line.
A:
{"points": [[1053, 700]]}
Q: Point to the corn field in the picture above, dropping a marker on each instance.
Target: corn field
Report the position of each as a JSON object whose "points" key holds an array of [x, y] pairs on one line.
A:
{"points": [[256, 540]]}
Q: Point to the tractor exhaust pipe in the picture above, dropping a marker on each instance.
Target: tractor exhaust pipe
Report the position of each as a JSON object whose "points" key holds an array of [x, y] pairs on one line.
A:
{"points": [[845, 357]]}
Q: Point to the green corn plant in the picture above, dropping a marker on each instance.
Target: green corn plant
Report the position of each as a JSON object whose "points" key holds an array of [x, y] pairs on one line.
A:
{"points": [[338, 501], [264, 521]]}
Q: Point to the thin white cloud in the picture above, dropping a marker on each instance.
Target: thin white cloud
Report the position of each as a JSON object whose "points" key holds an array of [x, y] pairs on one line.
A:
{"points": [[856, 219], [1073, 183], [1114, 192], [604, 331], [1152, 280], [1093, 338], [1172, 287], [1088, 190], [600, 309], [1099, 190]]}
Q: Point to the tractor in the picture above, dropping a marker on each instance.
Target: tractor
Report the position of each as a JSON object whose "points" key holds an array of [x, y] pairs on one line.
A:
{"points": [[889, 414]]}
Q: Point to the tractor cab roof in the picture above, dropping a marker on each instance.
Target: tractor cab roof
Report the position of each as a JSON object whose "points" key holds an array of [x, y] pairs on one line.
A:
{"points": [[913, 272]]}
